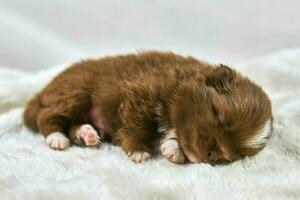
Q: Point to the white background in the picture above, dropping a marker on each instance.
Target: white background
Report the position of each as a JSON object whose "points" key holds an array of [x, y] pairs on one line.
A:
{"points": [[38, 34]]}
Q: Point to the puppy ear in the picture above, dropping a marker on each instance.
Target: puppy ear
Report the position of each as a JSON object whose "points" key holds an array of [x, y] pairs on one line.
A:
{"points": [[220, 77]]}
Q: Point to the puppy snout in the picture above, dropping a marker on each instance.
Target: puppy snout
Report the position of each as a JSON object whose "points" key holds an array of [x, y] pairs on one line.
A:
{"points": [[212, 156]]}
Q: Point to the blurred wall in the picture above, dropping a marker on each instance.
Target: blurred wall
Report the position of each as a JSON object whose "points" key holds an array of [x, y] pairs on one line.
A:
{"points": [[38, 34]]}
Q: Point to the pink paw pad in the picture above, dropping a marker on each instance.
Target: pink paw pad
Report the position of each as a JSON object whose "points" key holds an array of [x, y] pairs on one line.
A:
{"points": [[88, 134]]}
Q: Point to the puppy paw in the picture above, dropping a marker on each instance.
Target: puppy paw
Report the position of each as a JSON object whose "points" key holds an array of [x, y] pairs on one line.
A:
{"points": [[88, 134], [138, 157], [58, 141], [171, 151]]}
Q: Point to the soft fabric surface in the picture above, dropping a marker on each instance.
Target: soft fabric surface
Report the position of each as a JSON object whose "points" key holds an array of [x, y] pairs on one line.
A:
{"points": [[30, 170]]}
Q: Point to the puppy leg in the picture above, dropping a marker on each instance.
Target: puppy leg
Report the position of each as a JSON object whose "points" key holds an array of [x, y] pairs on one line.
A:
{"points": [[53, 125], [84, 134], [170, 149], [59, 112], [134, 143], [139, 128]]}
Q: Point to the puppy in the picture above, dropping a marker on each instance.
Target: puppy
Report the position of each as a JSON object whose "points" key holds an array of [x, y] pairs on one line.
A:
{"points": [[193, 110]]}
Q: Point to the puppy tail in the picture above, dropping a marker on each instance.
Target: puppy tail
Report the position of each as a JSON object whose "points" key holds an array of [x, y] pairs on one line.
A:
{"points": [[31, 112]]}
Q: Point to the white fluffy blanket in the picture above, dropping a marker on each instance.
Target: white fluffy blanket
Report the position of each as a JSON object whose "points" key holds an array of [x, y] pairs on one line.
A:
{"points": [[30, 170]]}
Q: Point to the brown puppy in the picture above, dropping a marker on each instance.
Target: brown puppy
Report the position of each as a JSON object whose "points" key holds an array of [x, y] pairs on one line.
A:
{"points": [[194, 110]]}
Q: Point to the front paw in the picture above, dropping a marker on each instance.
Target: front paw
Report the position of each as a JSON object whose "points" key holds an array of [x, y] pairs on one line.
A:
{"points": [[138, 157], [171, 151]]}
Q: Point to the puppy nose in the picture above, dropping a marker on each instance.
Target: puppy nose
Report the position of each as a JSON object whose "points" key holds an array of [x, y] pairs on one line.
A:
{"points": [[212, 156]]}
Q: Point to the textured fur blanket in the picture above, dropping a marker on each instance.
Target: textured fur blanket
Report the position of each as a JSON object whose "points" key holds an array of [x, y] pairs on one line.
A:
{"points": [[31, 170]]}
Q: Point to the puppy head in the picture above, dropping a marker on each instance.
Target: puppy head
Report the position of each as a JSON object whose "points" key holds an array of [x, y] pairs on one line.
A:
{"points": [[222, 117]]}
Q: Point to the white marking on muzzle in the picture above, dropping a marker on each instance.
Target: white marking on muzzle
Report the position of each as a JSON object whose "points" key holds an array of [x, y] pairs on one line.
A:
{"points": [[261, 137]]}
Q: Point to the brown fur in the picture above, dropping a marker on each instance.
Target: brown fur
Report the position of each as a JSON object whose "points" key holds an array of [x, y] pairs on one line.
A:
{"points": [[214, 109]]}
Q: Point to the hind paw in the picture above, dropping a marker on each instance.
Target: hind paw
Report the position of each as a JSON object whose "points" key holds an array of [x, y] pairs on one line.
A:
{"points": [[58, 141], [88, 134]]}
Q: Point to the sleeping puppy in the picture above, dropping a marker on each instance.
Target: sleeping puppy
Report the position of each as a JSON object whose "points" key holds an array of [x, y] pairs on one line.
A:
{"points": [[192, 110]]}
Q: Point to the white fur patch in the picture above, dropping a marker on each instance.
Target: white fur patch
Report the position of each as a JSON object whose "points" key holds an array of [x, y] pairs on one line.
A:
{"points": [[138, 157], [170, 149], [162, 128], [170, 134], [58, 141], [260, 139]]}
